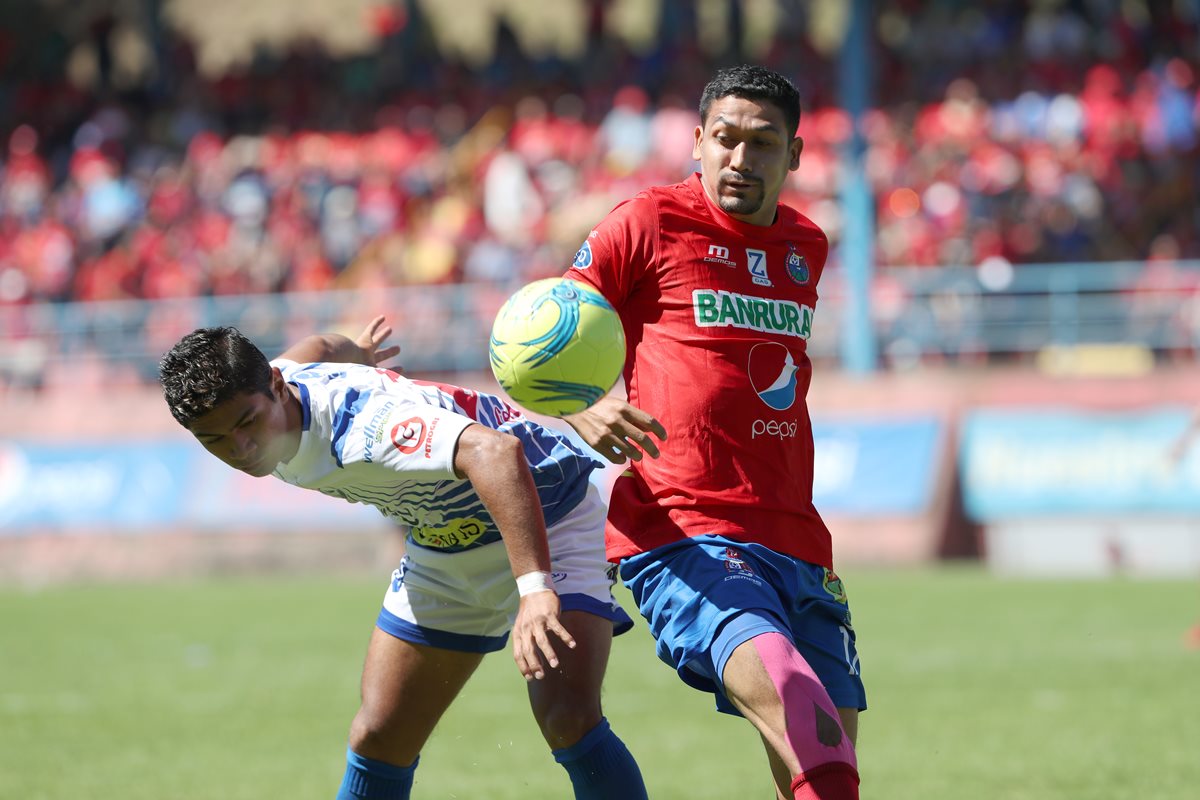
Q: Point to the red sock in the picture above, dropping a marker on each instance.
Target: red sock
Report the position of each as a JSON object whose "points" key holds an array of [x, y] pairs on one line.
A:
{"points": [[832, 781]]}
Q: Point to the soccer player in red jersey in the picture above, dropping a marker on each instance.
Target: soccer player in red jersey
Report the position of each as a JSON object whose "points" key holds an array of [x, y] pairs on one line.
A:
{"points": [[716, 533]]}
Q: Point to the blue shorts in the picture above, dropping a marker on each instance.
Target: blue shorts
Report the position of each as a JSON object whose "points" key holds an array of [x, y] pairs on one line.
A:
{"points": [[706, 595]]}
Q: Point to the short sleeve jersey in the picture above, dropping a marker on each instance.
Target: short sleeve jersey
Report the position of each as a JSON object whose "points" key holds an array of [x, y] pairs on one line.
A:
{"points": [[372, 436], [717, 315]]}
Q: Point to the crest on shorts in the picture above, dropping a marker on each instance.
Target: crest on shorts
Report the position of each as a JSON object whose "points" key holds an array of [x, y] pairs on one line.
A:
{"points": [[833, 585], [735, 563]]}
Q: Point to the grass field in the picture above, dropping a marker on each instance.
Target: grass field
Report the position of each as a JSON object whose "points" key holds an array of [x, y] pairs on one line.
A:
{"points": [[979, 688]]}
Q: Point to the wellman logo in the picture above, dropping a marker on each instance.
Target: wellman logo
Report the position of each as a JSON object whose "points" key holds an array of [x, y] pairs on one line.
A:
{"points": [[722, 309]]}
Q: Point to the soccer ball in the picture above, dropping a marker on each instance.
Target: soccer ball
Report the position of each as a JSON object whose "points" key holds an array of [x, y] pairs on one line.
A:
{"points": [[557, 347]]}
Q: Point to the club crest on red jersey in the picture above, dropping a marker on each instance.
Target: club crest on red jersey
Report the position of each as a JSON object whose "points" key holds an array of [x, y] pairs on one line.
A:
{"points": [[797, 266], [772, 370]]}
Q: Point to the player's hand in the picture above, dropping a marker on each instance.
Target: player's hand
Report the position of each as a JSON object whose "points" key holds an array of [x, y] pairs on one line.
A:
{"points": [[370, 340], [617, 430], [537, 620]]}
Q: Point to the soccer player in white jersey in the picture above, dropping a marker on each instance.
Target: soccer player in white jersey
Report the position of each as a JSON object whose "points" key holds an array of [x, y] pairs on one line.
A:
{"points": [[485, 494]]}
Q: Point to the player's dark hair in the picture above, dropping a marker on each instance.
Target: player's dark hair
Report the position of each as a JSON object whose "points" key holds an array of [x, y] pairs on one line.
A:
{"points": [[753, 83], [208, 367]]}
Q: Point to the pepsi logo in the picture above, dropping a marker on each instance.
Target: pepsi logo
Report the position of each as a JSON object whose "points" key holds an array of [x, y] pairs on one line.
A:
{"points": [[772, 371]]}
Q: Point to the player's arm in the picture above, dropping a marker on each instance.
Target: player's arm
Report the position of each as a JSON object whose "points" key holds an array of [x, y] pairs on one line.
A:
{"points": [[495, 464], [614, 259], [617, 430], [366, 348]]}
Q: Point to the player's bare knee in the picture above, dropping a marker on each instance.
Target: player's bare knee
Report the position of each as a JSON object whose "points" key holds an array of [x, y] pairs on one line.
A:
{"points": [[565, 719], [370, 731]]}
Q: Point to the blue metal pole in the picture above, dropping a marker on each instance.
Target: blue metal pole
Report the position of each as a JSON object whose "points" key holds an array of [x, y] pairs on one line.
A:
{"points": [[858, 210]]}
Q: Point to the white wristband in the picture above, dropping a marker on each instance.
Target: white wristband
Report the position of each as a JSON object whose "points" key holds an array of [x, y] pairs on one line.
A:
{"points": [[532, 582]]}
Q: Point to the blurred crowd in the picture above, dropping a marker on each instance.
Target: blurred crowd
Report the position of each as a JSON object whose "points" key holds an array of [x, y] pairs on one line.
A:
{"points": [[1030, 132]]}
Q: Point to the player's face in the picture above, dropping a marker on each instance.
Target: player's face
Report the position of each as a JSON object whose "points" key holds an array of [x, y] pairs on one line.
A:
{"points": [[250, 431], [745, 150]]}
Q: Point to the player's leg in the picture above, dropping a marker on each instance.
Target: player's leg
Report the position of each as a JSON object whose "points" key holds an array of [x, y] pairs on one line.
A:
{"points": [[773, 686], [779, 770], [799, 686], [406, 687], [430, 636], [712, 602], [566, 704]]}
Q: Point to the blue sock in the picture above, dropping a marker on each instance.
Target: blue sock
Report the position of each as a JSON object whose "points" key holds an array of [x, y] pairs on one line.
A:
{"points": [[601, 767], [368, 779]]}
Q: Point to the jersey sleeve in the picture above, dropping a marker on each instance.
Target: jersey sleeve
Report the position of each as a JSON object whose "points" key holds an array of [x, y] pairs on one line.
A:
{"points": [[399, 435], [286, 366], [822, 249], [619, 251]]}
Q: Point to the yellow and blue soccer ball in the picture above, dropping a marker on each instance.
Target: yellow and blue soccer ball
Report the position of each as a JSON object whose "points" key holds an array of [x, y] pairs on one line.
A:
{"points": [[557, 347]]}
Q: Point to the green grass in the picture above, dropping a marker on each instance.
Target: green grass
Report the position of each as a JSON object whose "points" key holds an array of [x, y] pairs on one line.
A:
{"points": [[979, 688]]}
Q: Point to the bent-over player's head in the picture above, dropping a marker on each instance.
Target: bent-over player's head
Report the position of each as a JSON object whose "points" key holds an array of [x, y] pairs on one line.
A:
{"points": [[746, 142], [221, 387]]}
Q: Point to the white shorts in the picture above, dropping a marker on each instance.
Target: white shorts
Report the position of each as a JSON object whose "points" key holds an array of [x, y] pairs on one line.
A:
{"points": [[468, 600]]}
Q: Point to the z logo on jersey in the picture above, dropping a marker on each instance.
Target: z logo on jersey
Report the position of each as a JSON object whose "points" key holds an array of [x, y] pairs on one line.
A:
{"points": [[756, 262]]}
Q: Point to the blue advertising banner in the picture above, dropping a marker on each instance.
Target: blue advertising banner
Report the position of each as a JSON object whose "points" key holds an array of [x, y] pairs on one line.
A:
{"points": [[874, 468], [1063, 461], [150, 486], [864, 468]]}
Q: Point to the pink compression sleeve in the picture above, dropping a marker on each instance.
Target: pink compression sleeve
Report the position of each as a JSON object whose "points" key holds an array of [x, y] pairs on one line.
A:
{"points": [[813, 727]]}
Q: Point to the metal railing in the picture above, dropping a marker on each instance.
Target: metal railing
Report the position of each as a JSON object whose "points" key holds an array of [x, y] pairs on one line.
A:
{"points": [[917, 314]]}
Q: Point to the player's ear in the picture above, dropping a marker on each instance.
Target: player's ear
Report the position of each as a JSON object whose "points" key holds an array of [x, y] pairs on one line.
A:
{"points": [[697, 136], [796, 147], [278, 384]]}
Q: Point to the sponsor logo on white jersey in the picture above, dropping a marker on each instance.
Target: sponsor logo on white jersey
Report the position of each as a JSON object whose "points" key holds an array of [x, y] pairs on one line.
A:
{"points": [[413, 434], [373, 432]]}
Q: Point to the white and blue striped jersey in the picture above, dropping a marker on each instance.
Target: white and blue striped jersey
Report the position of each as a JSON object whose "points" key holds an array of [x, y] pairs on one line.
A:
{"points": [[370, 435]]}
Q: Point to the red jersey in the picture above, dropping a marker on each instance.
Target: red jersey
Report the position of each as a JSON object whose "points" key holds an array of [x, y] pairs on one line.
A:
{"points": [[717, 314]]}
